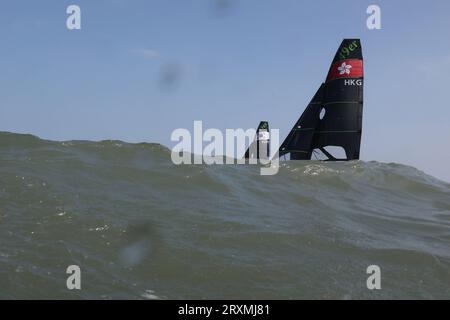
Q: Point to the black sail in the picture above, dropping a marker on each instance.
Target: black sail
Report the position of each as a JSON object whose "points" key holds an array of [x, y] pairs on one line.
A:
{"points": [[334, 116], [260, 148], [299, 141]]}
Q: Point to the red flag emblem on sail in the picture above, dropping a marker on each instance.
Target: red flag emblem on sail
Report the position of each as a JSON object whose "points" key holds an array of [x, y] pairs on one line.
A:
{"points": [[346, 69]]}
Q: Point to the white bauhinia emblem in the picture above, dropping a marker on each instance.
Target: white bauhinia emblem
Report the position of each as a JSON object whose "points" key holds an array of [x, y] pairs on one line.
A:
{"points": [[344, 68]]}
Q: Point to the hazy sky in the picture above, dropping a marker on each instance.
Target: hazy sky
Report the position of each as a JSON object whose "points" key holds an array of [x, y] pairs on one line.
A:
{"points": [[137, 70]]}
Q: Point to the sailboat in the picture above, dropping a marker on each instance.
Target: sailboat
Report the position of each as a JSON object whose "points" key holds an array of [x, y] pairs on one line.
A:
{"points": [[260, 147], [330, 127]]}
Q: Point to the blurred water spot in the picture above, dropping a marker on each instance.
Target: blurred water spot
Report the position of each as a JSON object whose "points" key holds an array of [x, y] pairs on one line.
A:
{"points": [[223, 7], [170, 75], [133, 254], [141, 241]]}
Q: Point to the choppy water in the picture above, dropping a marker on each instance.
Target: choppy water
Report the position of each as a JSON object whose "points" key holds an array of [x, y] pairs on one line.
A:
{"points": [[140, 227]]}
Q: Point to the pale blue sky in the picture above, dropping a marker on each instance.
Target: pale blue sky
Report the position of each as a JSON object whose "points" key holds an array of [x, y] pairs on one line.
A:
{"points": [[140, 69]]}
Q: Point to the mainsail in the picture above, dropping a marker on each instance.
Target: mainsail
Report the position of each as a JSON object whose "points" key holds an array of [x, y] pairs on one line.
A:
{"points": [[333, 118], [259, 149]]}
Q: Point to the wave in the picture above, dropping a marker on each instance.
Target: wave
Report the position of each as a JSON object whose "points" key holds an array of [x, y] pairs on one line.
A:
{"points": [[136, 223]]}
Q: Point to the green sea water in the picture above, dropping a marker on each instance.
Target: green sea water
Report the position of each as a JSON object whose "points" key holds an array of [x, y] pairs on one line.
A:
{"points": [[140, 227]]}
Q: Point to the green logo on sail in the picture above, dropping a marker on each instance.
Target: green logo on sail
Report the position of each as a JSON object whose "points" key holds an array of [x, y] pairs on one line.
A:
{"points": [[345, 51]]}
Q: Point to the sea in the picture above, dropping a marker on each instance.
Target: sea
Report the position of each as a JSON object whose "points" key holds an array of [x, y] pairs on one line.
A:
{"points": [[138, 226]]}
